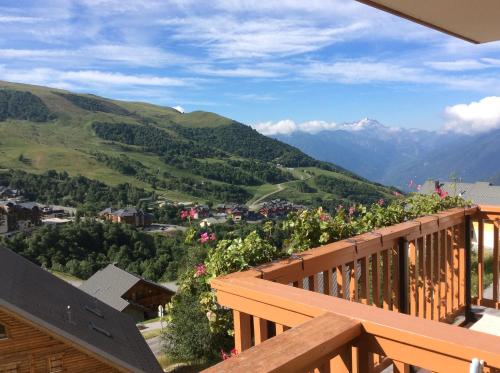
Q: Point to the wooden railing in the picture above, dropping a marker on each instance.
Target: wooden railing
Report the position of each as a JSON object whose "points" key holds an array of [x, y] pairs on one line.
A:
{"points": [[419, 268], [403, 339], [488, 216]]}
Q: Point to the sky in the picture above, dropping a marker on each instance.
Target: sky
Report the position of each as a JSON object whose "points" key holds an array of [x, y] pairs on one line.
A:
{"points": [[258, 62]]}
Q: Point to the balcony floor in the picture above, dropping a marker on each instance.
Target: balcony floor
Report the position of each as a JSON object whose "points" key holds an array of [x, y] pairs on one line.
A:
{"points": [[489, 322]]}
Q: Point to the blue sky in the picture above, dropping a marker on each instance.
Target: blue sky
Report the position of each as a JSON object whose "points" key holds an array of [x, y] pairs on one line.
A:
{"points": [[255, 61]]}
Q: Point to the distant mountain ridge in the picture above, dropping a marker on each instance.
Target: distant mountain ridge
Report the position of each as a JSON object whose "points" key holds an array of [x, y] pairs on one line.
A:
{"points": [[196, 156], [394, 156]]}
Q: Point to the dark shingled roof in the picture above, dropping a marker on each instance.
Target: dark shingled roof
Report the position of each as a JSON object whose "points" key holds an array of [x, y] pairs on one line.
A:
{"points": [[38, 296], [109, 284], [481, 193]]}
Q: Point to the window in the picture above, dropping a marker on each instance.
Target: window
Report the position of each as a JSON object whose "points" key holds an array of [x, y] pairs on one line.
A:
{"points": [[9, 368], [55, 363], [3, 332]]}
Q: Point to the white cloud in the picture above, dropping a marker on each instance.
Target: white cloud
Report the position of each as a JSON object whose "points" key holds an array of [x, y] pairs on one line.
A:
{"points": [[475, 117], [86, 79], [283, 127], [364, 71], [288, 126], [180, 109], [36, 54], [100, 77], [230, 37], [238, 72], [458, 65], [121, 54], [19, 19]]}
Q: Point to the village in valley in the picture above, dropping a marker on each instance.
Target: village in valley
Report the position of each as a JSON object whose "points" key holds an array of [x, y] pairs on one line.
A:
{"points": [[19, 215]]}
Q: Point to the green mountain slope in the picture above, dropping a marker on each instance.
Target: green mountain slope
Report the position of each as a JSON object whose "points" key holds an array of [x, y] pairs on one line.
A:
{"points": [[193, 156]]}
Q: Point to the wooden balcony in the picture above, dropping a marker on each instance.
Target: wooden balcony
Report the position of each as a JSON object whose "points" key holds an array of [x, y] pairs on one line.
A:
{"points": [[380, 299]]}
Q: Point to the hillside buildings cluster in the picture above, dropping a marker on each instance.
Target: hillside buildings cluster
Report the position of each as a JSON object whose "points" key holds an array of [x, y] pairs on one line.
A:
{"points": [[278, 208], [128, 215], [19, 215]]}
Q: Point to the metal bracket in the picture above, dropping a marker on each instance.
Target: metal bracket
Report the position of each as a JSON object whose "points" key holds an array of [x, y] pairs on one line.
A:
{"points": [[436, 216], [259, 270], [381, 237], [354, 242], [295, 256], [419, 225], [476, 366]]}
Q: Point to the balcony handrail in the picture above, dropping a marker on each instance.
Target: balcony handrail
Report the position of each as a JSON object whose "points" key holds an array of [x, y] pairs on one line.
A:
{"points": [[314, 260], [436, 346], [319, 339]]}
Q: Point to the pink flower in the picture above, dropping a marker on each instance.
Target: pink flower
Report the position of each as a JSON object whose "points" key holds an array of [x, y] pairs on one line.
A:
{"points": [[200, 270], [204, 237], [184, 214], [441, 193], [192, 213], [212, 237], [352, 210], [223, 355], [226, 356], [419, 187], [381, 202], [397, 194], [410, 184], [323, 217]]}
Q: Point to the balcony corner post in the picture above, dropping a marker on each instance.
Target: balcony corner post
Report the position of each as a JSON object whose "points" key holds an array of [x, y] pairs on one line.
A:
{"points": [[403, 275], [469, 316]]}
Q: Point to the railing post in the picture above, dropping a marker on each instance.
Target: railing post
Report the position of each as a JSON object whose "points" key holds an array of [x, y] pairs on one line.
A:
{"points": [[403, 275], [469, 316], [242, 331]]}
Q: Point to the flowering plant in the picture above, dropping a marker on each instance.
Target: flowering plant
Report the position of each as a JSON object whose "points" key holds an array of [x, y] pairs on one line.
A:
{"points": [[299, 231]]}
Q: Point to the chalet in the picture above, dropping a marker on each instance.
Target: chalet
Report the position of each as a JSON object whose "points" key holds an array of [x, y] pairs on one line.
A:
{"points": [[8, 193], [127, 293], [48, 325], [19, 216], [128, 215], [208, 222], [233, 210], [201, 211], [278, 208]]}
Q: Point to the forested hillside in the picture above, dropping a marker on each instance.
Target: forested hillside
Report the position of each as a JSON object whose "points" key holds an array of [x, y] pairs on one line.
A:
{"points": [[138, 149]]}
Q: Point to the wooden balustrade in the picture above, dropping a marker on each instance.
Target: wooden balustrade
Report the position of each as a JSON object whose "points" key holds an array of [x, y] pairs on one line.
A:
{"points": [[421, 268], [438, 347], [416, 267]]}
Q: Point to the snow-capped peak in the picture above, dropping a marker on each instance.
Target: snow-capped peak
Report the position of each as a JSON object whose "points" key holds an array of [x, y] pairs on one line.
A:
{"points": [[363, 124]]}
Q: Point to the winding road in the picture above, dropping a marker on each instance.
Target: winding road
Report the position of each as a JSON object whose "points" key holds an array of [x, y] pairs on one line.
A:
{"points": [[280, 188]]}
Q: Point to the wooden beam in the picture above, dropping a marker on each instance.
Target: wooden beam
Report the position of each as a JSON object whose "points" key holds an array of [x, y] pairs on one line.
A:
{"points": [[296, 350], [416, 20]]}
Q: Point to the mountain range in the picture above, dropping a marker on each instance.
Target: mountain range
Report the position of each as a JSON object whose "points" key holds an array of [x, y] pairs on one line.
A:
{"points": [[197, 156], [395, 156]]}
